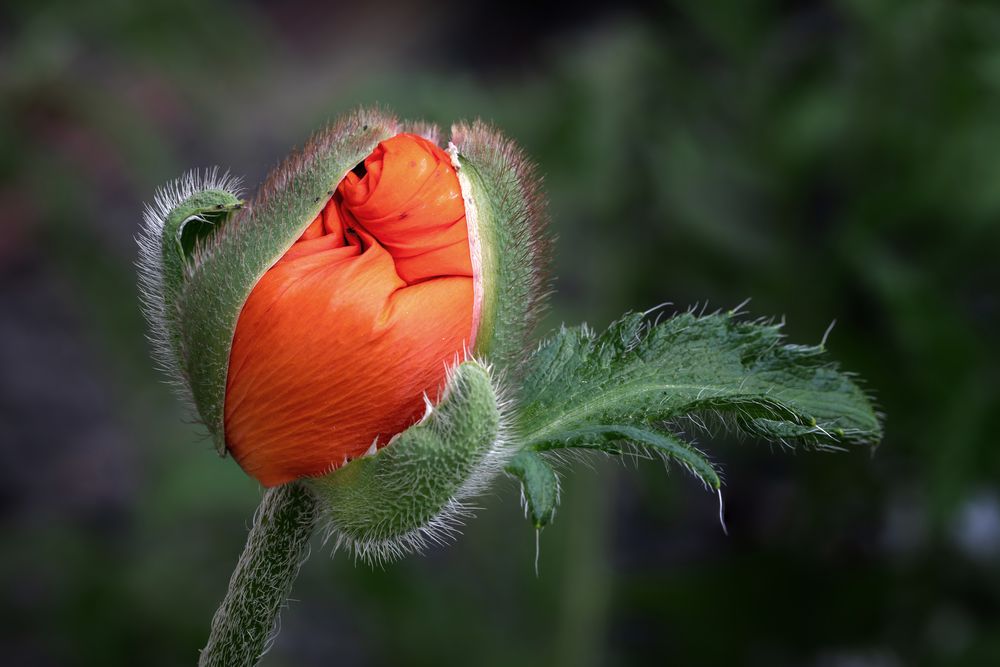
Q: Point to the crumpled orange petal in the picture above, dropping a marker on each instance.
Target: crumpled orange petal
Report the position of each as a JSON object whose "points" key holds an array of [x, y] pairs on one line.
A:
{"points": [[340, 340]]}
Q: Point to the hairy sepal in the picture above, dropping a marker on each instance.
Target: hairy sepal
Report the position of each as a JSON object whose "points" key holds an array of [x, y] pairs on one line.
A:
{"points": [[183, 213], [411, 493], [225, 268], [510, 246]]}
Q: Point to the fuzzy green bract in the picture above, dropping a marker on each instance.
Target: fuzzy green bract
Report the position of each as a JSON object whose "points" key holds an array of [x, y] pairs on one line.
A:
{"points": [[194, 220], [410, 492], [508, 231], [639, 386]]}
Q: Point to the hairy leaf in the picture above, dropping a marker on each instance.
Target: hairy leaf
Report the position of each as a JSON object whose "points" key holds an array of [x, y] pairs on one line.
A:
{"points": [[636, 380], [608, 438]]}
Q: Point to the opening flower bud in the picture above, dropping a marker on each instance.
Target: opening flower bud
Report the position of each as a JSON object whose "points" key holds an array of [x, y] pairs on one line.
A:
{"points": [[319, 322]]}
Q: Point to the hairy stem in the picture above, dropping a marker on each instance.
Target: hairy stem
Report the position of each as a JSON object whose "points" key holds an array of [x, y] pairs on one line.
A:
{"points": [[277, 545]]}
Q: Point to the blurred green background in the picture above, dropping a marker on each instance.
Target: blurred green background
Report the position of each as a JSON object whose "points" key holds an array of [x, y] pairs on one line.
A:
{"points": [[826, 159]]}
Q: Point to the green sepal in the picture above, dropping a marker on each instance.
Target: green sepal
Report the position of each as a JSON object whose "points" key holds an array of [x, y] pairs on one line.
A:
{"points": [[191, 223], [410, 492], [226, 268], [183, 213], [508, 238], [539, 486]]}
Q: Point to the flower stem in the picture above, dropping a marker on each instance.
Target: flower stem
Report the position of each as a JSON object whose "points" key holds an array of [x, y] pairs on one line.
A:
{"points": [[277, 545]]}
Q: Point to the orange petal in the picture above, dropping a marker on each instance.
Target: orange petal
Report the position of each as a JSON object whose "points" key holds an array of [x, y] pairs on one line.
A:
{"points": [[339, 341], [410, 201]]}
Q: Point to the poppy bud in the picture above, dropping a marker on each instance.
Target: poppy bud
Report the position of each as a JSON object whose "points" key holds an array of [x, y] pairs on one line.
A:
{"points": [[316, 324]]}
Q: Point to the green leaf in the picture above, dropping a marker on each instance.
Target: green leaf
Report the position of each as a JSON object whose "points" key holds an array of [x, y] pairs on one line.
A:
{"points": [[607, 438], [539, 486], [635, 380]]}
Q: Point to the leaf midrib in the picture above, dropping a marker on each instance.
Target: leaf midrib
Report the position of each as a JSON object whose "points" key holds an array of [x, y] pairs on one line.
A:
{"points": [[609, 397]]}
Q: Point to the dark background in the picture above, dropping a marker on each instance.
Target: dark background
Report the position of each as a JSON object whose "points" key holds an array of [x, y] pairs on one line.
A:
{"points": [[827, 159]]}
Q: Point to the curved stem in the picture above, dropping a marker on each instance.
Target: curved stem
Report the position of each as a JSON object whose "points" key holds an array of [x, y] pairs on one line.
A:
{"points": [[277, 545]]}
